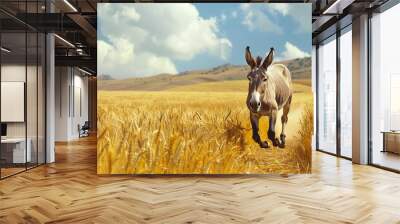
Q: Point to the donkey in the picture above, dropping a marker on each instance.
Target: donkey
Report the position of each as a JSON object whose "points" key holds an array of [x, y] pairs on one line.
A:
{"points": [[270, 90]]}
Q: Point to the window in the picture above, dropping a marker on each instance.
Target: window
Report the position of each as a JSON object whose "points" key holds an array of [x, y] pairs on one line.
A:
{"points": [[346, 92], [385, 89], [327, 96], [22, 77]]}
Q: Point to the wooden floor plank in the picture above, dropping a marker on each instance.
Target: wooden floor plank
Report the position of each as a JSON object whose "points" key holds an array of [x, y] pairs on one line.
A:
{"points": [[70, 191]]}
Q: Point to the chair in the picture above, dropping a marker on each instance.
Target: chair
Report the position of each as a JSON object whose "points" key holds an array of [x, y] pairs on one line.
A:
{"points": [[84, 130]]}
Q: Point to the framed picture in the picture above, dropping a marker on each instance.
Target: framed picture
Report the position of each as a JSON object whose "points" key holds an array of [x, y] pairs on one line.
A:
{"points": [[204, 88]]}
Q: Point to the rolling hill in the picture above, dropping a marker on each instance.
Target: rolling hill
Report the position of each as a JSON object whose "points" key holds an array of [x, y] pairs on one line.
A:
{"points": [[300, 68]]}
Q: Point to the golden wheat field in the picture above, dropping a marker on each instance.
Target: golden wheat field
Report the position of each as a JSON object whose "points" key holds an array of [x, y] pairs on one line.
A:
{"points": [[197, 129]]}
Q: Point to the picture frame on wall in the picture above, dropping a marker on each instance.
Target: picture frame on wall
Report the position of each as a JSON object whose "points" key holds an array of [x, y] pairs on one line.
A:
{"points": [[204, 88]]}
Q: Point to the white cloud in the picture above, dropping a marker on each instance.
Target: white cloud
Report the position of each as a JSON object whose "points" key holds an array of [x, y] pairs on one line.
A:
{"points": [[256, 19], [261, 18], [302, 19], [282, 8], [139, 39], [223, 17], [234, 14], [297, 11], [245, 6], [292, 52], [119, 60]]}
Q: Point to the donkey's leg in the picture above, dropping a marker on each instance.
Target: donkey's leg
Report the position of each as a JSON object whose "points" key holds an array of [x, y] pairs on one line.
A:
{"points": [[284, 120], [254, 125], [271, 128]]}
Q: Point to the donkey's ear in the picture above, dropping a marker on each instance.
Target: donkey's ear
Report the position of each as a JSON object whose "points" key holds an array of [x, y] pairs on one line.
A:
{"points": [[268, 60], [249, 59]]}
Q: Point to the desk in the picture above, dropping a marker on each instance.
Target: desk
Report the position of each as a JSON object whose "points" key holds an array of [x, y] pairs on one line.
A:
{"points": [[391, 141], [15, 148]]}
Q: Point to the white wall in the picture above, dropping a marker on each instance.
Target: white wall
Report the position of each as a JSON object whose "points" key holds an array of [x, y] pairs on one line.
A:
{"points": [[81, 89], [14, 73], [71, 87], [62, 82], [33, 127]]}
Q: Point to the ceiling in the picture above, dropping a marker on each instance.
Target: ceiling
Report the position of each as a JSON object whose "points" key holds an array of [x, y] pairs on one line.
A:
{"points": [[73, 22], [332, 15]]}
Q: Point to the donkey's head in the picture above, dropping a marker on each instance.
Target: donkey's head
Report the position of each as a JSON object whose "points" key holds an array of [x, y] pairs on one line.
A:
{"points": [[258, 79]]}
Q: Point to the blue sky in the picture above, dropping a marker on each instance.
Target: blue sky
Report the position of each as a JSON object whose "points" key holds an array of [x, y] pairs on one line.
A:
{"points": [[147, 39]]}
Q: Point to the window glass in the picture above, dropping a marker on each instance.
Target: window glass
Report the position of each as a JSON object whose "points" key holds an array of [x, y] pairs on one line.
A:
{"points": [[327, 96], [346, 93], [385, 89], [14, 153]]}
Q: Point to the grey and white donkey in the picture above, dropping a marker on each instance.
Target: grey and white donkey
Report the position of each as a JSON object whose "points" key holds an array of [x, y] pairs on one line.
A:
{"points": [[270, 90]]}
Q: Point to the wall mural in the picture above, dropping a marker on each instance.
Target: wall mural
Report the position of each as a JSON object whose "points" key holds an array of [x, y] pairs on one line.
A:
{"points": [[204, 88]]}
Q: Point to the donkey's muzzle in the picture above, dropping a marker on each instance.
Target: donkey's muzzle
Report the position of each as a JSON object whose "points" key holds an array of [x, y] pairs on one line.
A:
{"points": [[255, 106]]}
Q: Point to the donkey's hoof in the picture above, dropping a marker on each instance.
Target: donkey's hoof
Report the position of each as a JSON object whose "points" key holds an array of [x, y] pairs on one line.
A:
{"points": [[276, 142], [264, 144], [283, 138]]}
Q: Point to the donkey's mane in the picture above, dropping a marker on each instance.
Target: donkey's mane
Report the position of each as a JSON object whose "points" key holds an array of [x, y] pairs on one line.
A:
{"points": [[258, 61]]}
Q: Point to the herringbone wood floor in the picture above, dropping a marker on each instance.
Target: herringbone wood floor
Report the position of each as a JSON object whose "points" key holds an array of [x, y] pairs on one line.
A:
{"points": [[69, 191]]}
